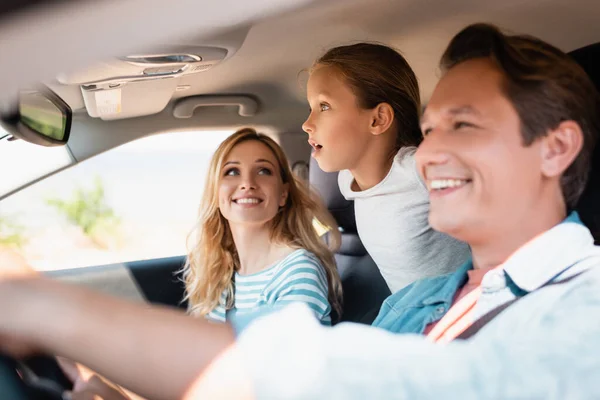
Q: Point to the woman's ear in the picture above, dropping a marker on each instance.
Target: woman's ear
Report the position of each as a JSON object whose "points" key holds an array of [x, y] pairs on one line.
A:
{"points": [[284, 194], [382, 118], [560, 147]]}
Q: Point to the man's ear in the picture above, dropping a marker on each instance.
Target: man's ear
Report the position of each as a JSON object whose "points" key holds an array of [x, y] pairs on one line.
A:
{"points": [[382, 118], [560, 148]]}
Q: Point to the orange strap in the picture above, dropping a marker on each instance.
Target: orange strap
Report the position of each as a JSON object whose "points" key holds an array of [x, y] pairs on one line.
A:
{"points": [[456, 320], [459, 317]]}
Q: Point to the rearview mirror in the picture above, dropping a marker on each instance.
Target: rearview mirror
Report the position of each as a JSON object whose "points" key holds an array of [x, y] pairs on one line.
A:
{"points": [[41, 118]]}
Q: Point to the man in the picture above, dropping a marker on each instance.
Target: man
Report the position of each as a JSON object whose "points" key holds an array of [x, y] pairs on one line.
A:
{"points": [[508, 135], [500, 172]]}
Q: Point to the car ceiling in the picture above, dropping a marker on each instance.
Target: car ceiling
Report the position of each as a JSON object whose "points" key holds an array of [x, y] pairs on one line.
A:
{"points": [[278, 47]]}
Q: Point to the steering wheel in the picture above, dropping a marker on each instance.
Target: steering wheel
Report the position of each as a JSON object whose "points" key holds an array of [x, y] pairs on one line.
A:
{"points": [[11, 384], [39, 378]]}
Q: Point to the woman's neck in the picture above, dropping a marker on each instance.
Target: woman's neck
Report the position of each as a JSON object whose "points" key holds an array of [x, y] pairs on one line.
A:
{"points": [[256, 250]]}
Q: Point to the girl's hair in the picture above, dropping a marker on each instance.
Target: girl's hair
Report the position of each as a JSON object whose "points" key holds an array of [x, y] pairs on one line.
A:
{"points": [[213, 259], [379, 74]]}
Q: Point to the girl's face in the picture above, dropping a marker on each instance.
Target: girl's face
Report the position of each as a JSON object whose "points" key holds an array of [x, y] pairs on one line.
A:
{"points": [[337, 127], [251, 190]]}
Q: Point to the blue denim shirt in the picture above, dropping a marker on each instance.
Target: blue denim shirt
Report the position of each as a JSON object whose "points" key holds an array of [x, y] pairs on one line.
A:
{"points": [[545, 346], [412, 308]]}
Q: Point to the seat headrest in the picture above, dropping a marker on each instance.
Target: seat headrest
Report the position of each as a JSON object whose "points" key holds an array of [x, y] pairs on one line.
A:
{"points": [[589, 204], [326, 184], [588, 58]]}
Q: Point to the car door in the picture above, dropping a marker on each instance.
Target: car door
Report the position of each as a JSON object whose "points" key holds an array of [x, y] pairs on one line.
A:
{"points": [[119, 222], [157, 281]]}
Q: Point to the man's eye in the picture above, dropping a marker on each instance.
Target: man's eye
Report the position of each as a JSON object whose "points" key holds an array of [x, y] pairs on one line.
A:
{"points": [[325, 107], [231, 172], [462, 124]]}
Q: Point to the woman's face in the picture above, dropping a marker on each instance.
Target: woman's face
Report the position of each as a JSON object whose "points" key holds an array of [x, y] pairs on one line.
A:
{"points": [[251, 190]]}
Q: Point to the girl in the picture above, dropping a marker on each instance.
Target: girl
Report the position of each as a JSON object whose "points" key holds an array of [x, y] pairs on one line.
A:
{"points": [[364, 122], [256, 246]]}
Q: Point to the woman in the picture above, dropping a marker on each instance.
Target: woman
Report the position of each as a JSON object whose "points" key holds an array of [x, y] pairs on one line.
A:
{"points": [[256, 247]]}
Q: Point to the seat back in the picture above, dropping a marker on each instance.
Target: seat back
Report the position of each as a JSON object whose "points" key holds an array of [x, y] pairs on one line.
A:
{"points": [[589, 204], [364, 287]]}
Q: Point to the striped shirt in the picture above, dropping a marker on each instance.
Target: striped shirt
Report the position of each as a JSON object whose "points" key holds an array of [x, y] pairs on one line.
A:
{"points": [[298, 278]]}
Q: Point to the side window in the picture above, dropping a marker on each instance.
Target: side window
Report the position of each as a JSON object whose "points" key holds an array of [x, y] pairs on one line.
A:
{"points": [[136, 202]]}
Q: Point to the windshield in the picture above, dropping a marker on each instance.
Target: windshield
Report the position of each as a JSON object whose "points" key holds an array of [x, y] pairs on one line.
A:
{"points": [[22, 162]]}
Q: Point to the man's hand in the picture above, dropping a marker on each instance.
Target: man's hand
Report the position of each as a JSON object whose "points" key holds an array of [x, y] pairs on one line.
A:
{"points": [[14, 265], [97, 389], [87, 385]]}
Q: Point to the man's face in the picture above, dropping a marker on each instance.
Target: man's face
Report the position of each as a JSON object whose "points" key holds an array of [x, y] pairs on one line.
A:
{"points": [[482, 180]]}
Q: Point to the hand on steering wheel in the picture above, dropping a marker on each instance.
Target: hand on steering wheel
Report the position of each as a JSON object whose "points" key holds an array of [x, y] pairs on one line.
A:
{"points": [[19, 381], [41, 376], [87, 384]]}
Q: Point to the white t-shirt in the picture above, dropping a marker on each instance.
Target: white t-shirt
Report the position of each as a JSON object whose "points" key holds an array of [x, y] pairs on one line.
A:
{"points": [[392, 222]]}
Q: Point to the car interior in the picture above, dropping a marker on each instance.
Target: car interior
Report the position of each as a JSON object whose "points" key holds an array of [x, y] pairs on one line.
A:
{"points": [[244, 67]]}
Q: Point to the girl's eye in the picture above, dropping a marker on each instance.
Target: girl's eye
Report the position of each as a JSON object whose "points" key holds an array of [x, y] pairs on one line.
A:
{"points": [[325, 107], [265, 171], [231, 172], [426, 131]]}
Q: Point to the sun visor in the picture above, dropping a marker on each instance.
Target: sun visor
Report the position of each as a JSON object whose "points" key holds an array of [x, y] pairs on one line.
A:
{"points": [[128, 99], [142, 83], [174, 61], [118, 88]]}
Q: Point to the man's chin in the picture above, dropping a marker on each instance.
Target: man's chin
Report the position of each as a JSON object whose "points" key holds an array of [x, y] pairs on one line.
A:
{"points": [[448, 223]]}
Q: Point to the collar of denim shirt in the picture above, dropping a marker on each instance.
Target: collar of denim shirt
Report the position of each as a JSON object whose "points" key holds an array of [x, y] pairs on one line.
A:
{"points": [[550, 254]]}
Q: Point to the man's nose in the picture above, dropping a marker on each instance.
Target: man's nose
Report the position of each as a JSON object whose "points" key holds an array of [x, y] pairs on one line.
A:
{"points": [[432, 151]]}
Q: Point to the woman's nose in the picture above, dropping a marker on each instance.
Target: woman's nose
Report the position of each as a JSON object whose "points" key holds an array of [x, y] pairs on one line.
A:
{"points": [[248, 182]]}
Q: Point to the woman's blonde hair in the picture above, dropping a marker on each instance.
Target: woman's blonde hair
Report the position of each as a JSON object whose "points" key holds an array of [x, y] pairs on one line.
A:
{"points": [[213, 258]]}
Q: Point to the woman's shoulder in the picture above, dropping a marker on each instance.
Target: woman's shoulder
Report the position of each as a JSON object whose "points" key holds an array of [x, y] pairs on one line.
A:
{"points": [[301, 267], [300, 258], [299, 262]]}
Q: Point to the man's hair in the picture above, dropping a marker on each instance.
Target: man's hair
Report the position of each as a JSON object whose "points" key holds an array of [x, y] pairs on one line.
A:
{"points": [[544, 85]]}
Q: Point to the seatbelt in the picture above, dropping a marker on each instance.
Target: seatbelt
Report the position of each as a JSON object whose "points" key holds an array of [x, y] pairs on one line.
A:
{"points": [[490, 315]]}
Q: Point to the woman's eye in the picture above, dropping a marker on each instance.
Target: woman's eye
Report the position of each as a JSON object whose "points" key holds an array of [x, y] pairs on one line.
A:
{"points": [[265, 171], [325, 107], [232, 172], [426, 131]]}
